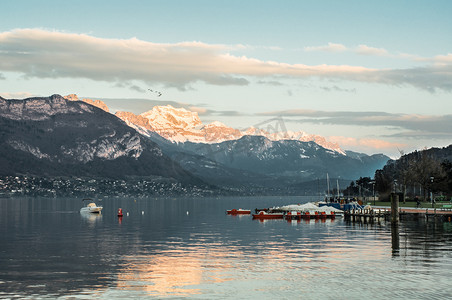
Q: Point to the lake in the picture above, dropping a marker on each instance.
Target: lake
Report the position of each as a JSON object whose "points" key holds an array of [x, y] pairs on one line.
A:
{"points": [[189, 248]]}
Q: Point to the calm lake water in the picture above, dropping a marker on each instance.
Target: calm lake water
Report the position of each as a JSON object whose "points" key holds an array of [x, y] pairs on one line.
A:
{"points": [[189, 248]]}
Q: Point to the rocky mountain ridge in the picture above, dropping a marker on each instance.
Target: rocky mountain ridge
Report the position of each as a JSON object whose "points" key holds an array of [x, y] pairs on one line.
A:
{"points": [[39, 108], [98, 103], [52, 136]]}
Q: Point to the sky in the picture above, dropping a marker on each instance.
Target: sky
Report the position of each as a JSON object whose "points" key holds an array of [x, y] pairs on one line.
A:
{"points": [[372, 76]]}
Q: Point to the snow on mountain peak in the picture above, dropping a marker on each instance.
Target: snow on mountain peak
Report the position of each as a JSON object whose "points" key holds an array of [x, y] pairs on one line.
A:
{"points": [[175, 124], [181, 125], [169, 117], [216, 124]]}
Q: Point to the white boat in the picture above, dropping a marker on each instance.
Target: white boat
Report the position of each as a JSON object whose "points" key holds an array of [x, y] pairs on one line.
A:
{"points": [[310, 207], [90, 207]]}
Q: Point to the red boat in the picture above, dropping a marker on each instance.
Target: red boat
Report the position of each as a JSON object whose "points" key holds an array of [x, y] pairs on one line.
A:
{"points": [[268, 215], [238, 211], [319, 215], [293, 215]]}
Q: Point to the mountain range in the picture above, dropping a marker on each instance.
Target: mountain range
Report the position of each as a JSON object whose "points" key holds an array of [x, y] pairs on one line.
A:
{"points": [[180, 125], [66, 136], [51, 136]]}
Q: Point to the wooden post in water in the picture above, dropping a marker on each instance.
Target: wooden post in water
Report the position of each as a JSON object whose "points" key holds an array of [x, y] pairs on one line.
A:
{"points": [[394, 208], [395, 238], [395, 223]]}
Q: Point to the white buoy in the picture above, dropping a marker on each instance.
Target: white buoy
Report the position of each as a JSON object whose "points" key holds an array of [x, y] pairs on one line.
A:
{"points": [[142, 212], [127, 213], [187, 212]]}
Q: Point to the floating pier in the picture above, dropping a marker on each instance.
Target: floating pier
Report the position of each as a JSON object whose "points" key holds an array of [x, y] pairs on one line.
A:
{"points": [[379, 214], [367, 215]]}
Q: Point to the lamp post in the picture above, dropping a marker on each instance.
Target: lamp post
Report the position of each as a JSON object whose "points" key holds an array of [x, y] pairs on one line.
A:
{"points": [[431, 191], [373, 190]]}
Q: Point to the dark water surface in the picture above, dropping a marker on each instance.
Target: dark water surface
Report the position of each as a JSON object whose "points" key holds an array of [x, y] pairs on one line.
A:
{"points": [[189, 248]]}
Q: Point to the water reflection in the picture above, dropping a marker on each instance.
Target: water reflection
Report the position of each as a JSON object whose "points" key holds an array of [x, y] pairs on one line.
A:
{"points": [[447, 226], [161, 275], [174, 273], [255, 259], [91, 218], [49, 250], [395, 239]]}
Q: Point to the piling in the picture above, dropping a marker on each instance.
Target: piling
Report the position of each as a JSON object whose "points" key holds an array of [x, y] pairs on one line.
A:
{"points": [[395, 238], [394, 209]]}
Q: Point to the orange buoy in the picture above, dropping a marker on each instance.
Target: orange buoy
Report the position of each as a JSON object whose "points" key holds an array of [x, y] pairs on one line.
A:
{"points": [[120, 212]]}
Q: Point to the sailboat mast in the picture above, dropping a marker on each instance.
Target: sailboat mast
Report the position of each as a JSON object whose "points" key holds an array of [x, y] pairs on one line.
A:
{"points": [[328, 185], [337, 182]]}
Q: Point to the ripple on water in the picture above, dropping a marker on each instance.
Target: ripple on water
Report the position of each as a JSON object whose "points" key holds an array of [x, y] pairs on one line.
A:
{"points": [[165, 253]]}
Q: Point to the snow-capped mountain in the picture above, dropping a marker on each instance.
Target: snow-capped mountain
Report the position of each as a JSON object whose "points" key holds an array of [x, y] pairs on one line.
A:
{"points": [[180, 125], [53, 136], [175, 124]]}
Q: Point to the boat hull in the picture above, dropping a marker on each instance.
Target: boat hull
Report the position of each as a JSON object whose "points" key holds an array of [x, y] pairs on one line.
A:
{"points": [[94, 210], [238, 212], [265, 216]]}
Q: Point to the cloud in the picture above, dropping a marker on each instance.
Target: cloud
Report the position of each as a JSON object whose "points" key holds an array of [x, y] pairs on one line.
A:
{"points": [[270, 82], [131, 86], [138, 106], [50, 54], [331, 47], [202, 111], [47, 54], [443, 58], [366, 143], [438, 59], [422, 134], [321, 113], [134, 105], [335, 88], [137, 88], [366, 50], [429, 78], [18, 95], [199, 110], [408, 125]]}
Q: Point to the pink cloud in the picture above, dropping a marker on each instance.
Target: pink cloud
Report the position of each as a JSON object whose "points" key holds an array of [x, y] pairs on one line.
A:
{"points": [[364, 143], [50, 54]]}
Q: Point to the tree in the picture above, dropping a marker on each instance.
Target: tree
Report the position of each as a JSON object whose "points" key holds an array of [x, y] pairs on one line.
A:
{"points": [[351, 190], [446, 183], [424, 170], [404, 173], [384, 178]]}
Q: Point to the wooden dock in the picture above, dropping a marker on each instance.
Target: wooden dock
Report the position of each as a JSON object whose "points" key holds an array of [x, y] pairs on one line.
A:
{"points": [[384, 214]]}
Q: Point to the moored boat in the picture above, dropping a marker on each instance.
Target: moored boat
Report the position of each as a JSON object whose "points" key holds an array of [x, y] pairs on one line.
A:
{"points": [[293, 215], [238, 211], [268, 215], [90, 207]]}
